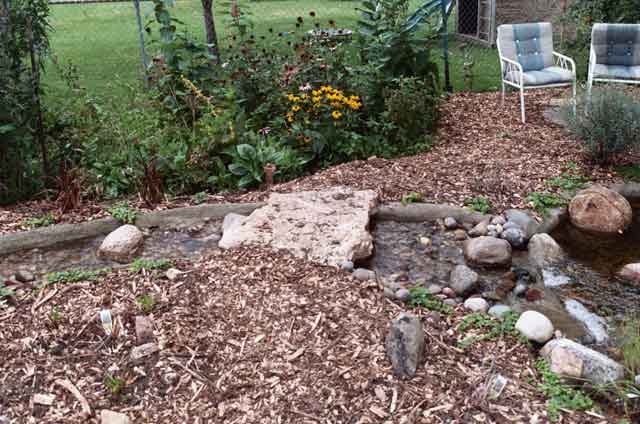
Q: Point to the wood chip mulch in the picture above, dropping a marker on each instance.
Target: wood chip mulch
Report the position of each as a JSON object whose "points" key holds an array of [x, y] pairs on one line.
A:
{"points": [[249, 336], [482, 149]]}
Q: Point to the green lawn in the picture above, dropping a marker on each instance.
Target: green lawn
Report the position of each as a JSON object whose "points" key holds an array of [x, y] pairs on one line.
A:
{"points": [[102, 39]]}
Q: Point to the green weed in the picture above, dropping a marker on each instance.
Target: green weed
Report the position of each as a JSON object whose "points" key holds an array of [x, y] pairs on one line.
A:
{"points": [[115, 385], [150, 264], [74, 275], [560, 395], [629, 336], [492, 328], [39, 222], [146, 303], [123, 213], [479, 204], [55, 316], [200, 197], [412, 197], [420, 296], [5, 293], [629, 173], [543, 202]]}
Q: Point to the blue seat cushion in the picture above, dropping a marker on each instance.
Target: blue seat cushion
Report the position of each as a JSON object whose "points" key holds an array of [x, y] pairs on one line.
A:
{"points": [[545, 76], [616, 72]]}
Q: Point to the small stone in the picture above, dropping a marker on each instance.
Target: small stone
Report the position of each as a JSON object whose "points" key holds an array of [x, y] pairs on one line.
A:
{"points": [[170, 378], [450, 223], [112, 417], [533, 295], [637, 380], [346, 266], [389, 293], [480, 229], [172, 274], [630, 272], [460, 235], [450, 302], [403, 295], [491, 228], [476, 304], [463, 279], [520, 289], [516, 237], [138, 353], [434, 288], [499, 229], [405, 345], [425, 241], [448, 291], [535, 326], [24, 276], [498, 220], [504, 288], [499, 311], [144, 330], [363, 274]]}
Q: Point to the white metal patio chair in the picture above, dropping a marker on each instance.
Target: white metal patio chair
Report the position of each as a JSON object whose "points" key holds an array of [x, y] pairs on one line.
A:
{"points": [[615, 54], [528, 61]]}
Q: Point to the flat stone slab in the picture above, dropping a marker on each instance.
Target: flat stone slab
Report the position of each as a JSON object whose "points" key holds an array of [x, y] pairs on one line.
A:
{"points": [[327, 227]]}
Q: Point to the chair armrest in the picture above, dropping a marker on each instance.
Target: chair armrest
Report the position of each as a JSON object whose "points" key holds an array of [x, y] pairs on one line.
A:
{"points": [[508, 67], [565, 62]]}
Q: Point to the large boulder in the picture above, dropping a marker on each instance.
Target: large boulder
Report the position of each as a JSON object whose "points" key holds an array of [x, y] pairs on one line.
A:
{"points": [[600, 210], [405, 344], [596, 367], [544, 251], [122, 245], [488, 251], [535, 326], [328, 227]]}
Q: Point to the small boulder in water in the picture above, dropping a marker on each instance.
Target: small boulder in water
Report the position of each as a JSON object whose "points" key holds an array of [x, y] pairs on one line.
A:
{"points": [[535, 326], [123, 244], [600, 210], [488, 251]]}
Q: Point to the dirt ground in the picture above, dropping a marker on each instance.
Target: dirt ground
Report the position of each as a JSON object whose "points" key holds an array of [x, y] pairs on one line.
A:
{"points": [[482, 149], [249, 336]]}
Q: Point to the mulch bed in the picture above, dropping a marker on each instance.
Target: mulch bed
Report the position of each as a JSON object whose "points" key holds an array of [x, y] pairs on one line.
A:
{"points": [[250, 336], [482, 150]]}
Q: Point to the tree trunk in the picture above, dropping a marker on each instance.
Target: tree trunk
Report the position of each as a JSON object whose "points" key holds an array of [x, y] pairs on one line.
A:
{"points": [[210, 28]]}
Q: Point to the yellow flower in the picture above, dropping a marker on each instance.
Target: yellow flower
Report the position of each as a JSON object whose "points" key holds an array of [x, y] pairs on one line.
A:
{"points": [[336, 115], [326, 89], [296, 108], [316, 93], [316, 99], [290, 97], [290, 117], [304, 97]]}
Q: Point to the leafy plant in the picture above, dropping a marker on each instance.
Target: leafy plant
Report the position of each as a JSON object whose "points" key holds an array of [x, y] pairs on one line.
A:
{"points": [[146, 303], [607, 122], [5, 293], [123, 213], [542, 202], [74, 276], [560, 395], [412, 197], [492, 328], [42, 221], [569, 181], [150, 264], [630, 172], [420, 296], [55, 316], [479, 204], [200, 197], [115, 385]]}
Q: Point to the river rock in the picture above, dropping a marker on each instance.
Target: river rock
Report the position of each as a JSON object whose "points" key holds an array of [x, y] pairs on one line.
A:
{"points": [[535, 326], [346, 266], [450, 223], [327, 227], [463, 279], [595, 325], [499, 311], [404, 344], [498, 220], [600, 210], [630, 272], [24, 276], [488, 251], [476, 304], [403, 295], [523, 220], [481, 229], [516, 237], [597, 368], [123, 244], [363, 274], [544, 251]]}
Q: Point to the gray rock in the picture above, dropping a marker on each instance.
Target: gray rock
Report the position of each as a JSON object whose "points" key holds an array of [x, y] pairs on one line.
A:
{"points": [[450, 302], [595, 325], [346, 266], [476, 304], [403, 295], [122, 245], [516, 237], [450, 223], [389, 293], [535, 326], [499, 311], [24, 276], [480, 229], [112, 417], [520, 289], [405, 345], [524, 220], [463, 279], [232, 220], [492, 234], [488, 251], [597, 368], [498, 220], [499, 229], [544, 251], [173, 273], [511, 225], [434, 288], [363, 274]]}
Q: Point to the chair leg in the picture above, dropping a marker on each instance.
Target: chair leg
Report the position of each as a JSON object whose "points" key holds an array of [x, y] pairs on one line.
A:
{"points": [[575, 101], [504, 89], [522, 104]]}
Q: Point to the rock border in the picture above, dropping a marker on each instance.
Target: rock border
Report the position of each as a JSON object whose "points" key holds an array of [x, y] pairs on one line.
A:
{"points": [[423, 212]]}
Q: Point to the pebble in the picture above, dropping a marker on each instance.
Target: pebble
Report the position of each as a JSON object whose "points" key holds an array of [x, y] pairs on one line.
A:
{"points": [[520, 289], [450, 302], [425, 241], [516, 237], [173, 274], [403, 295], [363, 274], [450, 223], [533, 295], [347, 266], [535, 326], [448, 291], [499, 311], [498, 228], [491, 227], [434, 288], [498, 220], [476, 304], [460, 235], [24, 276], [389, 294]]}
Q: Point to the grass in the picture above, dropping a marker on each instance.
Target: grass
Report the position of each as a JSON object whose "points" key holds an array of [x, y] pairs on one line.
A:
{"points": [[42, 221], [102, 40], [74, 276]]}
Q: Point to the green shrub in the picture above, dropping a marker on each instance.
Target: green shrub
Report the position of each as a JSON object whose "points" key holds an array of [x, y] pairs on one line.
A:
{"points": [[420, 296], [492, 328], [124, 213], [412, 197], [608, 122], [479, 204], [542, 202], [42, 221]]}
